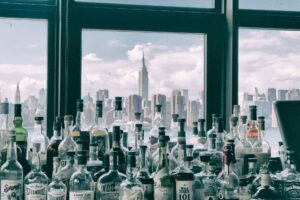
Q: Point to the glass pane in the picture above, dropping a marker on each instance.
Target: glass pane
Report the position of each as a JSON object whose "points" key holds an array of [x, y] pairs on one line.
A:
{"points": [[23, 60], [173, 65], [282, 5], [176, 3], [268, 71]]}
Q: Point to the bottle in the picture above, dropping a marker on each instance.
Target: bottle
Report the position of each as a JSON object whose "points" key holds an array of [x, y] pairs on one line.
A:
{"points": [[4, 108], [68, 144], [281, 153], [174, 131], [57, 190], [200, 146], [82, 186], [5, 149], [163, 181], [144, 176], [244, 191], [68, 169], [252, 174], [124, 143], [193, 139], [199, 177], [117, 147], [227, 179], [184, 177], [94, 165], [108, 185], [253, 132], [131, 188], [154, 159], [210, 183], [221, 133], [137, 140], [157, 122], [11, 173], [36, 182], [52, 149], [137, 120], [214, 124], [39, 136], [216, 156], [99, 135], [118, 115], [21, 137]]}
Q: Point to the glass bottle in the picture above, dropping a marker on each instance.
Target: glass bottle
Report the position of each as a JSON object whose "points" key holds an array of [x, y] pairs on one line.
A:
{"points": [[131, 188], [117, 147], [137, 120], [243, 127], [252, 174], [198, 187], [11, 172], [153, 135], [118, 115], [210, 183], [174, 131], [244, 191], [216, 156], [252, 132], [124, 142], [36, 182], [144, 176], [68, 169], [4, 110], [52, 149], [184, 177], [108, 185], [200, 146], [214, 124], [57, 190], [154, 159], [68, 144], [105, 168], [99, 135], [193, 139], [21, 137], [94, 165], [82, 186], [221, 133]]}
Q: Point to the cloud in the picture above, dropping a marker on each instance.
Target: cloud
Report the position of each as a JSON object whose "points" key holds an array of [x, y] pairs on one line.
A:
{"points": [[32, 46], [91, 57], [116, 43]]}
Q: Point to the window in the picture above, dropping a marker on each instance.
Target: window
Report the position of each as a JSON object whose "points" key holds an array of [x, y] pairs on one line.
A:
{"points": [[23, 61], [282, 5], [172, 67], [268, 71]]}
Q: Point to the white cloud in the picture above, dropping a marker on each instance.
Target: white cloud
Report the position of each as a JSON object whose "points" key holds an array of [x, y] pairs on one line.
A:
{"points": [[32, 46], [116, 43], [91, 57]]}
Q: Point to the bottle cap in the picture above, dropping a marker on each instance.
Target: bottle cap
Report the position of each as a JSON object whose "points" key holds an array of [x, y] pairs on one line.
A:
{"points": [[196, 154], [175, 117], [82, 158], [212, 136], [71, 153], [68, 118], [189, 146], [244, 180], [79, 105], [280, 143], [158, 108], [38, 118], [137, 115], [244, 119], [205, 158], [99, 108], [189, 159], [4, 108], [161, 131], [139, 127], [143, 147], [201, 121], [116, 133], [18, 110], [118, 103], [195, 124], [253, 112]]}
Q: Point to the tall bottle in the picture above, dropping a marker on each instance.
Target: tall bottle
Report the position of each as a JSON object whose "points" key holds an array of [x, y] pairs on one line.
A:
{"points": [[144, 176], [157, 122], [36, 182], [108, 185], [221, 133], [118, 115], [131, 188], [163, 181], [99, 135], [52, 149], [94, 165], [201, 146], [184, 177], [57, 190], [4, 108], [253, 132], [11, 173], [174, 128], [68, 144], [117, 147], [82, 186]]}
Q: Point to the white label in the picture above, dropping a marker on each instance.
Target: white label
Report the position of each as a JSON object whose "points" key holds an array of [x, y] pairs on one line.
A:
{"points": [[82, 195], [56, 195], [184, 190], [109, 191], [35, 191], [11, 189]]}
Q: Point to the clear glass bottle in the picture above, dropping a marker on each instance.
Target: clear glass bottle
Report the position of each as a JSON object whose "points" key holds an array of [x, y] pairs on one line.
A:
{"points": [[153, 135], [174, 128], [214, 124], [108, 185], [244, 191], [210, 183], [281, 153], [36, 181], [122, 164], [198, 187], [57, 190], [154, 159], [94, 165], [68, 144], [118, 115], [11, 172], [4, 110], [243, 128], [131, 188], [201, 146], [137, 120], [163, 181], [252, 131], [221, 133], [82, 185], [193, 139], [216, 156], [144, 176], [99, 135], [52, 149], [68, 169]]}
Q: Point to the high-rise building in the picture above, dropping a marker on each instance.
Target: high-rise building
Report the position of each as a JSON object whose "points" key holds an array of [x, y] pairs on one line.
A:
{"points": [[102, 94], [18, 95], [193, 112], [42, 97], [134, 105], [293, 94], [281, 94], [159, 99], [178, 104], [143, 81], [271, 94]]}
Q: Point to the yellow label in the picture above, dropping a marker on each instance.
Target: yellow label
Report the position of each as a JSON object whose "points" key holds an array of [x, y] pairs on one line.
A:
{"points": [[98, 133], [75, 133]]}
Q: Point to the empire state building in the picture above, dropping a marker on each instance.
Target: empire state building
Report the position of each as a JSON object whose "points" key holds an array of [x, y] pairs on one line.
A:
{"points": [[143, 81]]}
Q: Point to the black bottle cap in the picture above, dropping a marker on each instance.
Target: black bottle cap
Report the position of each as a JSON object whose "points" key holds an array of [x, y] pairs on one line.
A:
{"points": [[253, 112], [56, 126], [189, 146], [131, 158], [261, 123], [38, 118], [212, 136], [195, 124], [195, 128], [71, 153], [175, 117], [18, 110], [118, 103], [158, 108], [189, 159], [201, 121], [196, 154], [116, 133], [219, 126], [244, 119], [93, 145], [4, 108], [234, 120], [244, 180], [81, 159], [99, 108], [137, 115], [79, 105], [139, 127], [205, 158], [161, 131], [280, 143]]}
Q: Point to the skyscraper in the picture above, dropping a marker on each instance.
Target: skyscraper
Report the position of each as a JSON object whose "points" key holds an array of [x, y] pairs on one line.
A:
{"points": [[134, 105], [159, 99], [271, 94], [193, 112], [143, 81], [178, 104], [102, 94], [18, 95], [281, 94]]}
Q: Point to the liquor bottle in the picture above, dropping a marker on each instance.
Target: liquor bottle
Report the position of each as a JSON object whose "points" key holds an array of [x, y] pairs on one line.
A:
{"points": [[252, 132], [118, 115], [193, 139], [144, 176], [21, 137], [36, 182], [94, 165], [199, 177], [11, 173], [131, 188], [137, 120], [266, 191], [39, 136], [184, 177], [124, 142], [243, 127], [52, 149], [99, 135], [214, 124], [200, 146], [68, 169], [57, 190], [252, 174], [60, 120], [174, 131], [117, 147], [157, 122], [281, 153], [163, 181], [221, 133], [68, 144], [181, 137], [5, 149], [108, 185], [210, 183], [216, 156], [290, 177], [81, 183], [4, 108], [244, 191], [154, 158], [261, 147], [227, 179]]}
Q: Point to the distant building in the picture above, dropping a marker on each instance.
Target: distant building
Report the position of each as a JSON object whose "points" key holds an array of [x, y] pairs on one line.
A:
{"points": [[281, 95], [271, 94], [134, 105], [102, 94], [193, 112], [274, 123], [42, 97], [162, 100], [178, 104], [18, 95], [293, 94], [143, 81]]}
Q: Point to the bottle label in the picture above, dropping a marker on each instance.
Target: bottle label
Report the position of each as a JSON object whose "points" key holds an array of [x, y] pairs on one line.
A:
{"points": [[291, 190], [184, 190], [109, 191], [11, 189], [35, 191], [132, 195], [163, 193], [82, 195], [56, 195]]}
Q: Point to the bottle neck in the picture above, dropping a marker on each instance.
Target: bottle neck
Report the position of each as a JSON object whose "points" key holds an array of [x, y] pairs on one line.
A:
{"points": [[55, 172], [234, 130], [181, 155], [18, 121], [116, 143], [57, 135], [12, 150], [38, 128], [100, 123], [93, 154], [79, 118], [114, 166], [68, 130], [163, 159], [158, 120], [212, 144], [36, 165], [143, 166], [118, 115]]}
